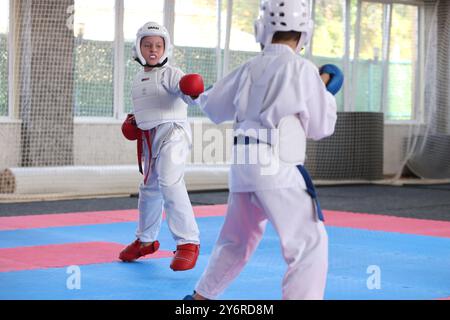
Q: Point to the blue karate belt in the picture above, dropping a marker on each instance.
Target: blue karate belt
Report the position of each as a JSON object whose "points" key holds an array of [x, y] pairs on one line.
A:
{"points": [[309, 184], [311, 190], [245, 140]]}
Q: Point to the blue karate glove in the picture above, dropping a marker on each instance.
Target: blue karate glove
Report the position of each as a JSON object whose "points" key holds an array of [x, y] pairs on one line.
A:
{"points": [[336, 77]]}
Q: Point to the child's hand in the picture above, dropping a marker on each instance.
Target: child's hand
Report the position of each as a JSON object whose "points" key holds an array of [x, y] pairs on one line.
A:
{"points": [[333, 77], [325, 78], [192, 85]]}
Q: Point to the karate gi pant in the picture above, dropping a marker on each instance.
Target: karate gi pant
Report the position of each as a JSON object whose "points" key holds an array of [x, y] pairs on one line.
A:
{"points": [[165, 188], [303, 239]]}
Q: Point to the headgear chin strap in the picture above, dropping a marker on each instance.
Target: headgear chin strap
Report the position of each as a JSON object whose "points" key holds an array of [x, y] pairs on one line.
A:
{"points": [[159, 65]]}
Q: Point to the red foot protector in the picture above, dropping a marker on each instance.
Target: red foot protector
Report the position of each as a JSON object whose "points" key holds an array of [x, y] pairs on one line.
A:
{"points": [[63, 255], [185, 257], [136, 250]]}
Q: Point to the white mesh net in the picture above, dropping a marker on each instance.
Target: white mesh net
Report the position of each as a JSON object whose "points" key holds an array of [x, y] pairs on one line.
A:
{"points": [[4, 26], [45, 86], [71, 94], [428, 146]]}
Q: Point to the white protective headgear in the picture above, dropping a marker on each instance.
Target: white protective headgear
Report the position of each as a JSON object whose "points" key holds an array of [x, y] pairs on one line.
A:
{"points": [[152, 29], [284, 15]]}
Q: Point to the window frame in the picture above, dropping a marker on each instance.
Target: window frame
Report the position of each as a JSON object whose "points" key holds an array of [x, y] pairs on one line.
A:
{"points": [[169, 20], [119, 112], [11, 115], [418, 97], [117, 73]]}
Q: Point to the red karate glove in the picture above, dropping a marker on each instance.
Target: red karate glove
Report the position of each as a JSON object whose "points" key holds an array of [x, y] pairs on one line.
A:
{"points": [[129, 128], [192, 85]]}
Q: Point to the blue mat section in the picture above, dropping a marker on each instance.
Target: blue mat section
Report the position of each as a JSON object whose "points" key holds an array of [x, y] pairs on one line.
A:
{"points": [[411, 266], [114, 232]]}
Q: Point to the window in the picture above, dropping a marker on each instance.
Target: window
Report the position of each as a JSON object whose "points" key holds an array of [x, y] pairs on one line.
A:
{"points": [[94, 57], [374, 42], [242, 40], [328, 44], [136, 13], [367, 59], [382, 60], [195, 39], [403, 63], [329, 29], [4, 26]]}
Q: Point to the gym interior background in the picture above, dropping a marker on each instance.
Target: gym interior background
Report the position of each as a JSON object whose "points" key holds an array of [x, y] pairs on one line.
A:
{"points": [[65, 79], [66, 72]]}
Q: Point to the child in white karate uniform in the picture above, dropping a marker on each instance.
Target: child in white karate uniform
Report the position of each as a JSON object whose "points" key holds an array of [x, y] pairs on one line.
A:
{"points": [[160, 125], [277, 100]]}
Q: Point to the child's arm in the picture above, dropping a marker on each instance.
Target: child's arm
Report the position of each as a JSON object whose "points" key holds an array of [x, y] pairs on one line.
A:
{"points": [[186, 86], [217, 102], [320, 104], [170, 81]]}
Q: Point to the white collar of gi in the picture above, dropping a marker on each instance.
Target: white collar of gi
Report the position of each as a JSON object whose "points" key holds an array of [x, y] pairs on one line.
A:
{"points": [[277, 48]]}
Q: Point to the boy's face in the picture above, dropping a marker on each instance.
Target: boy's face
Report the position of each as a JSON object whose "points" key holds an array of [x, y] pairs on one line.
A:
{"points": [[152, 49]]}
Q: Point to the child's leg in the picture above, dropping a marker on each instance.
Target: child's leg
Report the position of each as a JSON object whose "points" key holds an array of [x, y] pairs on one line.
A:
{"points": [[304, 241], [240, 235], [150, 216], [170, 166], [150, 205]]}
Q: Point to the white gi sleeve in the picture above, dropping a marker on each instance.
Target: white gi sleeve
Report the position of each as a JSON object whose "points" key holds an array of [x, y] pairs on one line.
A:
{"points": [[298, 89], [319, 105], [218, 102], [170, 81]]}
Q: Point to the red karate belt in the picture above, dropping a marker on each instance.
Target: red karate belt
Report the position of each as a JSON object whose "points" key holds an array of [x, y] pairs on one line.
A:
{"points": [[147, 136]]}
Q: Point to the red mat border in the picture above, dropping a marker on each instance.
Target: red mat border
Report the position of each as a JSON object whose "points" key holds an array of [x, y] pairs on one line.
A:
{"points": [[333, 218], [63, 255]]}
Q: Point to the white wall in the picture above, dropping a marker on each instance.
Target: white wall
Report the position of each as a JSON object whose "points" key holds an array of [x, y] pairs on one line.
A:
{"points": [[9, 144], [103, 144]]}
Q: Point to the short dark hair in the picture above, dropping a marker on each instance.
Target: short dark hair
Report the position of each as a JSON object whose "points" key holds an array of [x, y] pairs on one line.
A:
{"points": [[281, 36]]}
